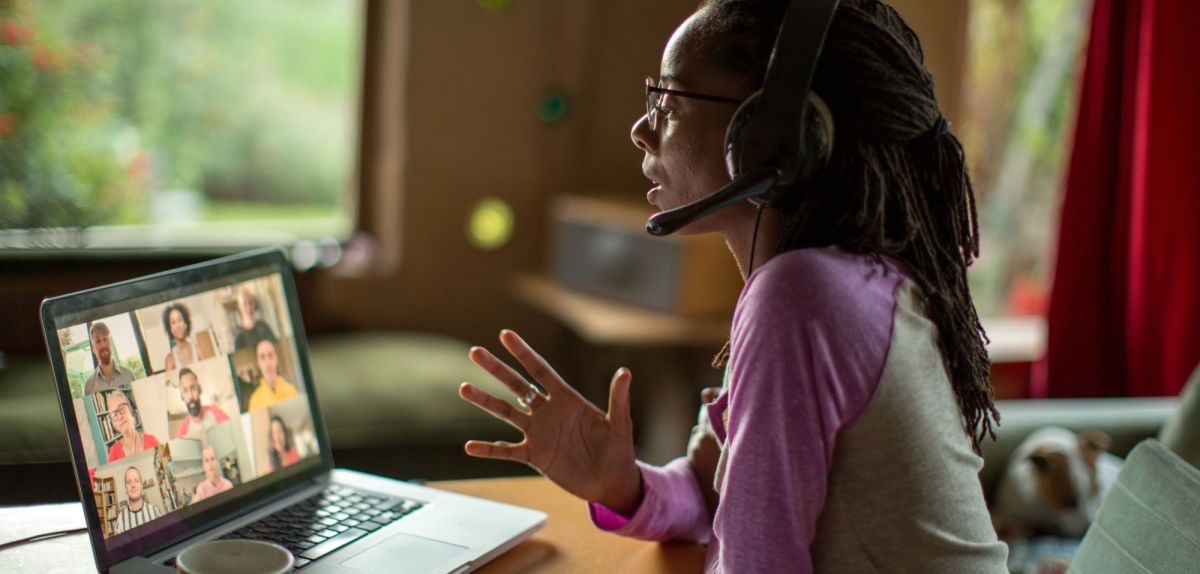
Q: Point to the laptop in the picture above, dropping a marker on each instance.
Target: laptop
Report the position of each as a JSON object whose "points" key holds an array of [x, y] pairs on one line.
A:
{"points": [[192, 415]]}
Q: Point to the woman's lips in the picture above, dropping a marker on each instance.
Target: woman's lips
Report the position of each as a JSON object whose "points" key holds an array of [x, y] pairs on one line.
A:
{"points": [[652, 193]]}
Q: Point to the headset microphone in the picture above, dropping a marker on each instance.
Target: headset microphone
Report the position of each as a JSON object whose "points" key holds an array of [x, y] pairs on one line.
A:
{"points": [[782, 134], [755, 183]]}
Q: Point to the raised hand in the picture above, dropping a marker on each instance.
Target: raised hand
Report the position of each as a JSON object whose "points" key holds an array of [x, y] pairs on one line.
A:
{"points": [[569, 440], [704, 452]]}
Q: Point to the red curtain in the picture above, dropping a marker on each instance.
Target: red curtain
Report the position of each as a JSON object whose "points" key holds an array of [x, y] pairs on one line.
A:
{"points": [[1124, 317]]}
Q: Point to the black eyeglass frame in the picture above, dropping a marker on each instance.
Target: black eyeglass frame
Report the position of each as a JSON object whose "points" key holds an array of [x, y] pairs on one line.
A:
{"points": [[653, 105]]}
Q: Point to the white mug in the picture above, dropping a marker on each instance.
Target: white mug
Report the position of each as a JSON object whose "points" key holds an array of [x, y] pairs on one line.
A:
{"points": [[235, 557]]}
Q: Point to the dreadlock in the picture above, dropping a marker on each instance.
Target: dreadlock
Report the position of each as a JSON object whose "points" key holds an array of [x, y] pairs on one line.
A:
{"points": [[896, 184]]}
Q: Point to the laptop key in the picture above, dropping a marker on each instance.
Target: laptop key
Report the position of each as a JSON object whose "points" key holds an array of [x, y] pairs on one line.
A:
{"points": [[370, 526], [301, 562], [333, 543]]}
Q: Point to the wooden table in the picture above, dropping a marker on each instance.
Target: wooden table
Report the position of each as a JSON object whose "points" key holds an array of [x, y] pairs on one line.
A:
{"points": [[568, 543]]}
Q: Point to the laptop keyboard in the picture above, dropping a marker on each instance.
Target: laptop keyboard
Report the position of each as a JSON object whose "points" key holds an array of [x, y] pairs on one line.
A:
{"points": [[327, 521]]}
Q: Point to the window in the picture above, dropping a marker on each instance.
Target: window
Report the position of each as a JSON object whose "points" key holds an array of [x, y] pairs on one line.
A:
{"points": [[137, 123], [1024, 63]]}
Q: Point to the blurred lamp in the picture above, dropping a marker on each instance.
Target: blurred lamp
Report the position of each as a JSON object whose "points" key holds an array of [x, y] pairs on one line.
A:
{"points": [[491, 224]]}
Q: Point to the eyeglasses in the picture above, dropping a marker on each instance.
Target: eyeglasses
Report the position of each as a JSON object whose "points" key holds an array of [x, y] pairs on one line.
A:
{"points": [[655, 93], [122, 410]]}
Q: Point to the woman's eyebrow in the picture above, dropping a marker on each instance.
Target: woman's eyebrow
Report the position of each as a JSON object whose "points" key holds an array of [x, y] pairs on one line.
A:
{"points": [[663, 79]]}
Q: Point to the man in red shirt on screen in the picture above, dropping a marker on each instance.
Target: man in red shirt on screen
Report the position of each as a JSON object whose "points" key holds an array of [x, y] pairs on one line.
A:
{"points": [[199, 417]]}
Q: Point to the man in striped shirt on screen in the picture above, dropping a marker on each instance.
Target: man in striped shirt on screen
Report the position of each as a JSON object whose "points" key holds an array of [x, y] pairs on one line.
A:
{"points": [[138, 510]]}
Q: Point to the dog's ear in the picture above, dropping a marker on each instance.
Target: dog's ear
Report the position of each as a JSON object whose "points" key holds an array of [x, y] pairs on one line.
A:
{"points": [[1091, 444], [1040, 461]]}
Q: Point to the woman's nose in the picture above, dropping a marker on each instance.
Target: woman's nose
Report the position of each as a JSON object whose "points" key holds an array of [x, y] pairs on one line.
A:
{"points": [[643, 137]]}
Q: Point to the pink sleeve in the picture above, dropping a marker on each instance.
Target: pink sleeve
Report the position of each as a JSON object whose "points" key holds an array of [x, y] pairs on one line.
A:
{"points": [[808, 349], [672, 507]]}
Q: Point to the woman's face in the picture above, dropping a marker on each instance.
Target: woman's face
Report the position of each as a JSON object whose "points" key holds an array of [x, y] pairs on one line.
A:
{"points": [[278, 439], [120, 413], [684, 155], [178, 326]]}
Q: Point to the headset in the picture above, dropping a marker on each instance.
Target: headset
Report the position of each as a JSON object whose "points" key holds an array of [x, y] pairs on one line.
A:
{"points": [[782, 134]]}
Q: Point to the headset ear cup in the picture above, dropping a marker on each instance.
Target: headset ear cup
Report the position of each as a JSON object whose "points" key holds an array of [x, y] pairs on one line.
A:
{"points": [[735, 135]]}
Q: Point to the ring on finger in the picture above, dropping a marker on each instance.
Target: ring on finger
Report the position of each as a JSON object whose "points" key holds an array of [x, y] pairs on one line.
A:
{"points": [[527, 399]]}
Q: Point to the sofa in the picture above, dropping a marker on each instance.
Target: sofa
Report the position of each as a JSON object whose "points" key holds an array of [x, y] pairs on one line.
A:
{"points": [[1127, 421]]}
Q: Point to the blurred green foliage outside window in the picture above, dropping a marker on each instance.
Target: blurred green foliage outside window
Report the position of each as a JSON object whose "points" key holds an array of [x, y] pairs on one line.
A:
{"points": [[1024, 64], [174, 114]]}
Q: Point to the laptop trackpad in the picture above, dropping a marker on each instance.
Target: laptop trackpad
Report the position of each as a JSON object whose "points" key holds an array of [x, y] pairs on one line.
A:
{"points": [[406, 553]]}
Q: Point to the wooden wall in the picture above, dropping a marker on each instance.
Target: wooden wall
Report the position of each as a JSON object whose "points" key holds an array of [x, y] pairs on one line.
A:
{"points": [[467, 101], [449, 118]]}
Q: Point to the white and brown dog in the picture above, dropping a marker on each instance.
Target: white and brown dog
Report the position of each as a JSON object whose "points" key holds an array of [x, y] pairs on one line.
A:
{"points": [[1054, 483]]}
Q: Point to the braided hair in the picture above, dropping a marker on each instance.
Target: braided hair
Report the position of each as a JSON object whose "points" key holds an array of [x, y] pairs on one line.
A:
{"points": [[896, 184]]}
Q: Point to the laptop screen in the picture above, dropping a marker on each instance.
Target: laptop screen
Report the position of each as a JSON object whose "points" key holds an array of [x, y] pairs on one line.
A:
{"points": [[185, 399]]}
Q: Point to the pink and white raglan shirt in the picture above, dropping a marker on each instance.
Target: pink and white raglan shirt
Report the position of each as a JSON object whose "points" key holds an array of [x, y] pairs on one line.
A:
{"points": [[843, 448]]}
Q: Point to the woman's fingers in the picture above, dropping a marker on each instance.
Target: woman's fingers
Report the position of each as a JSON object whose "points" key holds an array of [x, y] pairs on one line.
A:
{"points": [[494, 406], [618, 400], [500, 371], [497, 450], [534, 364]]}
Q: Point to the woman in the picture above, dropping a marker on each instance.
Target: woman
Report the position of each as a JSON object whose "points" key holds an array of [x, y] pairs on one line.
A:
{"points": [[177, 321], [856, 387], [281, 451], [124, 420]]}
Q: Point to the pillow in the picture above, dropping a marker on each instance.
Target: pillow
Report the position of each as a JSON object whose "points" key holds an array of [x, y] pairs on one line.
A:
{"points": [[1181, 433], [1147, 523]]}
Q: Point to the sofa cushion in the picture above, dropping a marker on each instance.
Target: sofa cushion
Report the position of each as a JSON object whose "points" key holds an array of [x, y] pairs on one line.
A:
{"points": [[379, 389], [31, 428]]}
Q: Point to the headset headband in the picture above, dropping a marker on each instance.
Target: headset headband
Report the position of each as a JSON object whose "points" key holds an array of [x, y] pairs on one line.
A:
{"points": [[773, 129]]}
